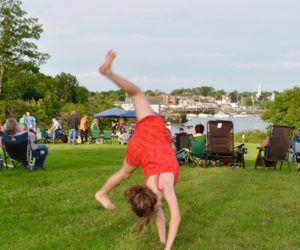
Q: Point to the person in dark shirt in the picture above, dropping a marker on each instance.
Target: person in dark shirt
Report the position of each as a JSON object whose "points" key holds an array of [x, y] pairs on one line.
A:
{"points": [[73, 122]]}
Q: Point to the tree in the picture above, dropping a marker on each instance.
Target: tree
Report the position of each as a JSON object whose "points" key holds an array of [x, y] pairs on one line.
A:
{"points": [[149, 92], [17, 51], [233, 96], [285, 109], [219, 94], [66, 85], [207, 91], [248, 101]]}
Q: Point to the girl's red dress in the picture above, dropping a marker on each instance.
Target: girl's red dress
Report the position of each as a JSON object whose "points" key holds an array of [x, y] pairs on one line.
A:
{"points": [[150, 148]]}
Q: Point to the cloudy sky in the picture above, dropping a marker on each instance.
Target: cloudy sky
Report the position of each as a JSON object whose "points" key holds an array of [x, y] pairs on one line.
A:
{"points": [[169, 44]]}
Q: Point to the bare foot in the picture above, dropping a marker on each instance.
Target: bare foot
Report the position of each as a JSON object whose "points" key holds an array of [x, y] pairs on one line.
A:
{"points": [[105, 69], [105, 201]]}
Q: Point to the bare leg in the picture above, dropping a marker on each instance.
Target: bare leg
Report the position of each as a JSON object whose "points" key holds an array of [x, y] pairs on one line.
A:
{"points": [[141, 104], [102, 195]]}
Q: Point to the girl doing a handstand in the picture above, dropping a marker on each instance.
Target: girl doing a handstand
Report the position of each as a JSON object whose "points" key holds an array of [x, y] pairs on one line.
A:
{"points": [[150, 148]]}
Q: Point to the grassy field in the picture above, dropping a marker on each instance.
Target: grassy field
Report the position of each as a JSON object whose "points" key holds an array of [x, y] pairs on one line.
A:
{"points": [[221, 208]]}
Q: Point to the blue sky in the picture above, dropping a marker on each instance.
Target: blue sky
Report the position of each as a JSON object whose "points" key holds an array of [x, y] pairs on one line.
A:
{"points": [[169, 44]]}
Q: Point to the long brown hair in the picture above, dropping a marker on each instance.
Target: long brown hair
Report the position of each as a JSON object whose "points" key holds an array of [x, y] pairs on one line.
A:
{"points": [[142, 201], [12, 127]]}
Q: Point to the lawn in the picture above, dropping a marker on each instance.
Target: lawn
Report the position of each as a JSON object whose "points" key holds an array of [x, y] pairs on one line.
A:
{"points": [[221, 208]]}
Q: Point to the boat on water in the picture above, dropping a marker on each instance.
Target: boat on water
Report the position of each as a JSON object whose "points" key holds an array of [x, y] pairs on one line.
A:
{"points": [[221, 115], [241, 115], [190, 116], [203, 115]]}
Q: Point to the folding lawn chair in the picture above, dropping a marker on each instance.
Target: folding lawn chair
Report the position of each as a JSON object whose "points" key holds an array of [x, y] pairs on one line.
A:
{"points": [[95, 136], [41, 135], [182, 156], [182, 144], [18, 150], [220, 144], [277, 149], [182, 141], [107, 138]]}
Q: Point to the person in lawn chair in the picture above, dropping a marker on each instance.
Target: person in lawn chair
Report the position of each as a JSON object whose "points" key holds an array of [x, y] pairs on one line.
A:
{"points": [[198, 140], [296, 148], [13, 128]]}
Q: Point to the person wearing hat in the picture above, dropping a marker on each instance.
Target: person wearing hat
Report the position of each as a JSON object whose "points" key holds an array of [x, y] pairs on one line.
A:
{"points": [[296, 147]]}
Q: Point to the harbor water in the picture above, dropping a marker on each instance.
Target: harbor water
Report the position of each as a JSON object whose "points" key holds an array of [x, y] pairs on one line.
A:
{"points": [[239, 123]]}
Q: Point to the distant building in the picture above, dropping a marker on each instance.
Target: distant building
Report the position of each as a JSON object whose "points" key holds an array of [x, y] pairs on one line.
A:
{"points": [[258, 94], [225, 99], [128, 105], [185, 99], [168, 99], [155, 103]]}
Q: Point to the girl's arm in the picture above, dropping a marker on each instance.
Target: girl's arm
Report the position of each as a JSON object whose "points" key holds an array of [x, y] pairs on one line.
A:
{"points": [[161, 225], [170, 196]]}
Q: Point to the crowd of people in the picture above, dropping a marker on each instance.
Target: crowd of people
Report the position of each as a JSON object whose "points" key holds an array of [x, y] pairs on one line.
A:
{"points": [[78, 129]]}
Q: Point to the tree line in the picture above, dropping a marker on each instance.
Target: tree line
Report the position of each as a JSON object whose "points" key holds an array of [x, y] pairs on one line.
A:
{"points": [[24, 88]]}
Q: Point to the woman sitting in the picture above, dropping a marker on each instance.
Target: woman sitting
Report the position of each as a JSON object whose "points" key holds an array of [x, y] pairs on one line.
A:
{"points": [[13, 128], [198, 142], [197, 132]]}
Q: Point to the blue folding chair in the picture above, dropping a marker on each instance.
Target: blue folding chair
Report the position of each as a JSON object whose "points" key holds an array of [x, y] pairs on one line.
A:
{"points": [[18, 150]]}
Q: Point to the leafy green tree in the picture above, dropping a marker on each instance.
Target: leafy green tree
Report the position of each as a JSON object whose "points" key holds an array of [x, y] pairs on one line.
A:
{"points": [[207, 91], [285, 109], [66, 84], [219, 94], [149, 92], [47, 108], [82, 94], [248, 102], [17, 51], [234, 96]]}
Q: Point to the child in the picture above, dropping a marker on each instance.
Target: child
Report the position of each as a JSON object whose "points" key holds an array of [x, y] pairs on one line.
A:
{"points": [[150, 147]]}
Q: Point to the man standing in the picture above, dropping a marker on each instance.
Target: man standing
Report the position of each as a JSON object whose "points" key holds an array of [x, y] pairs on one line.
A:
{"points": [[30, 122], [73, 122]]}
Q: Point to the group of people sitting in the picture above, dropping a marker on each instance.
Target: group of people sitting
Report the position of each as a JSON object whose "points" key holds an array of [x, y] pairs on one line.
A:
{"points": [[184, 140], [56, 131], [77, 129]]}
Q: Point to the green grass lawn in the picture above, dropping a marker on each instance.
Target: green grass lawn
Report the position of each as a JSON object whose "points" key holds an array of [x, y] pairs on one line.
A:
{"points": [[221, 208]]}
